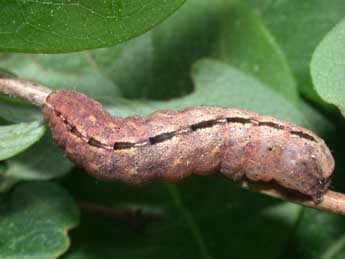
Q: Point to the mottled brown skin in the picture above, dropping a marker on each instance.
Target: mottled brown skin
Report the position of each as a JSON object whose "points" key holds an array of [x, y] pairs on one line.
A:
{"points": [[171, 145]]}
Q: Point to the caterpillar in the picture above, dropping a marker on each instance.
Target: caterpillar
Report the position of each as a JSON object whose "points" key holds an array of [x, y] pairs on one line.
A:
{"points": [[171, 145]]}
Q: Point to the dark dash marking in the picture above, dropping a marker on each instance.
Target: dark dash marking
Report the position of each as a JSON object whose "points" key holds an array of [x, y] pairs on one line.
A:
{"points": [[76, 132], [203, 124], [271, 124], [123, 145], [162, 137], [303, 135], [238, 120], [68, 125], [96, 143]]}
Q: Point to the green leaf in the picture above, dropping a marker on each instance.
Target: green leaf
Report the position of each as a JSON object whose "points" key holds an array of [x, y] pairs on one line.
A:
{"points": [[52, 27], [43, 161], [16, 138], [320, 123], [319, 235], [34, 220], [245, 43], [298, 27], [200, 217], [328, 66], [15, 110], [157, 65], [76, 71], [217, 83], [4, 73]]}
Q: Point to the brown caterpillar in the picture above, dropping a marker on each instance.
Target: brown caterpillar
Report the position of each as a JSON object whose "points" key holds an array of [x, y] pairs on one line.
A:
{"points": [[171, 145]]}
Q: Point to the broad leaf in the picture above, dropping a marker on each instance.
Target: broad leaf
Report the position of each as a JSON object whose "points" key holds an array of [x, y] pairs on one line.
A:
{"points": [[157, 65], [15, 110], [43, 161], [328, 66], [318, 235], [65, 26], [18, 137], [298, 27], [76, 71], [217, 83], [200, 217], [34, 220]]}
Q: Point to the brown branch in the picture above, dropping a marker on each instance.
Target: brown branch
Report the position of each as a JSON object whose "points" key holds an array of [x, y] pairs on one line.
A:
{"points": [[29, 91], [331, 201], [119, 213], [136, 218]]}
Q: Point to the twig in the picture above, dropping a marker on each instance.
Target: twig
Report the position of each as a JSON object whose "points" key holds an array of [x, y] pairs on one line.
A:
{"points": [[135, 217], [34, 93], [331, 201]]}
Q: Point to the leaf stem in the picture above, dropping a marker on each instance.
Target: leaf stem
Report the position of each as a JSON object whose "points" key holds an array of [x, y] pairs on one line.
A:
{"points": [[331, 201]]}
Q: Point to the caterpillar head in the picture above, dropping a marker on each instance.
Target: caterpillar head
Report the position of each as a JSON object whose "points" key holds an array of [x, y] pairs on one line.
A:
{"points": [[308, 167]]}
